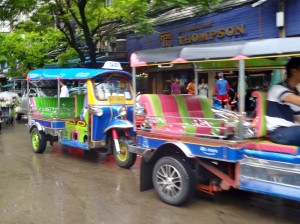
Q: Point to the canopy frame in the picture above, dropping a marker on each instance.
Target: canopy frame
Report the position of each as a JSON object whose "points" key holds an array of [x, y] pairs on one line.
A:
{"points": [[240, 52]]}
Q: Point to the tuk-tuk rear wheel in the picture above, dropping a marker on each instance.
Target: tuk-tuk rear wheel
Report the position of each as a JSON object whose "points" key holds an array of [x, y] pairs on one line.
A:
{"points": [[38, 141], [125, 159], [173, 179]]}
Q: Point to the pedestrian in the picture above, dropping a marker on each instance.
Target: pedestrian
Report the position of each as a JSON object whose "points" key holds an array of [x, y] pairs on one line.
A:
{"points": [[283, 107], [222, 89], [233, 95], [64, 92], [191, 87], [183, 88], [202, 88], [175, 87]]}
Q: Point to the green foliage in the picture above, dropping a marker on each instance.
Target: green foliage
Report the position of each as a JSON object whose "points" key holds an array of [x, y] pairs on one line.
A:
{"points": [[63, 58], [206, 4], [27, 50], [84, 24], [11, 9]]}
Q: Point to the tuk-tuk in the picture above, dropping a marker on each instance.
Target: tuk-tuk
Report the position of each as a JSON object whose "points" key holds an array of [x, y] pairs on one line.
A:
{"points": [[96, 117], [187, 145]]}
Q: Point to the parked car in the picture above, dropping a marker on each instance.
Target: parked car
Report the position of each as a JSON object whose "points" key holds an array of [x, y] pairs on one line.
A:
{"points": [[48, 89]]}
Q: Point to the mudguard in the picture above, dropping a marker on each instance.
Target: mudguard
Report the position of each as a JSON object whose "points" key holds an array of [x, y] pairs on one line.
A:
{"points": [[123, 124], [37, 125]]}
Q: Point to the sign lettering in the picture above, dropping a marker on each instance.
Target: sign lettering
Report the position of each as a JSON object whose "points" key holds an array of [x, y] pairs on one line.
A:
{"points": [[166, 38], [117, 99]]}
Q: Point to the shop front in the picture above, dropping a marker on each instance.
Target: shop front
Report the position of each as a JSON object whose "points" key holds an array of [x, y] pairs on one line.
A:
{"points": [[242, 23]]}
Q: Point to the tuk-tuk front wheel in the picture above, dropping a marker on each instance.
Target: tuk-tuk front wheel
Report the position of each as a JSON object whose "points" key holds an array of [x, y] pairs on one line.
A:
{"points": [[38, 141], [124, 159]]}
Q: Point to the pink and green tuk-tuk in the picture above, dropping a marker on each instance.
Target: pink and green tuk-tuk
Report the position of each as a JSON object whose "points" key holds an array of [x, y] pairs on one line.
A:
{"points": [[185, 145]]}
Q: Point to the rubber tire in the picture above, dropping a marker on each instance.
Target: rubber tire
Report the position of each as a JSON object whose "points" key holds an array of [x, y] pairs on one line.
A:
{"points": [[129, 162], [42, 141], [18, 117], [188, 179]]}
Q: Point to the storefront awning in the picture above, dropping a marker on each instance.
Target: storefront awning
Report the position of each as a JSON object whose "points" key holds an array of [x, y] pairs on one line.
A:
{"points": [[268, 49]]}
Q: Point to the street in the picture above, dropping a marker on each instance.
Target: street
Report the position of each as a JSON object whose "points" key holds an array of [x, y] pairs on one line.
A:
{"points": [[73, 186]]}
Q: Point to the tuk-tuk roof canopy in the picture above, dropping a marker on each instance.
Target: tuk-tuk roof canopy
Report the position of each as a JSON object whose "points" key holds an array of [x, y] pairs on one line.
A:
{"points": [[267, 48], [71, 73]]}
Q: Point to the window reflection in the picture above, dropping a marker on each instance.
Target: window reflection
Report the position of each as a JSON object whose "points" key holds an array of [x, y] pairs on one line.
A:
{"points": [[112, 86]]}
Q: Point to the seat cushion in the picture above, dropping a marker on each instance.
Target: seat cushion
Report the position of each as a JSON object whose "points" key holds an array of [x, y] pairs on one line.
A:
{"points": [[181, 114], [268, 146]]}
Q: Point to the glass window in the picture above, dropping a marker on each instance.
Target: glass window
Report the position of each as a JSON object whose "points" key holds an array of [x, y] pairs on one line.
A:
{"points": [[112, 86]]}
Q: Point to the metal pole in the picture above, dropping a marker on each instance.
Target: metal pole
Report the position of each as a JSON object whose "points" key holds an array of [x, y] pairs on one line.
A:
{"points": [[196, 78], [134, 98], [58, 100], [28, 106], [281, 8], [79, 90], [241, 95]]}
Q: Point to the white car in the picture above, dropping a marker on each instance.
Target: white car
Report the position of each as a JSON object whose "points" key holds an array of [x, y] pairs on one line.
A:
{"points": [[34, 91]]}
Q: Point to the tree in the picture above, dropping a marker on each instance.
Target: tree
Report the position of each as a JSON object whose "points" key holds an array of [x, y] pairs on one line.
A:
{"points": [[24, 51], [11, 9], [87, 23]]}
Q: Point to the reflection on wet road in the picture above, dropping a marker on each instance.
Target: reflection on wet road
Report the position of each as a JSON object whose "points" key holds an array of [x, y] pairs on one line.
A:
{"points": [[73, 186]]}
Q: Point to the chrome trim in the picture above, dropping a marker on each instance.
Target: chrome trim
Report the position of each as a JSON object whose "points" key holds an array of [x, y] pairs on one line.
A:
{"points": [[266, 181], [145, 152], [98, 144], [182, 147], [118, 126]]}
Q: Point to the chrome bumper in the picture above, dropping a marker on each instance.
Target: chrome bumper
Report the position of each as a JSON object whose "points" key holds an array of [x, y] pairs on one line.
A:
{"points": [[145, 152]]}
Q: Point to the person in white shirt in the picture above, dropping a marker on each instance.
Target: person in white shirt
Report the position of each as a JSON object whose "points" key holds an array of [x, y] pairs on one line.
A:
{"points": [[202, 87], [283, 107], [64, 92]]}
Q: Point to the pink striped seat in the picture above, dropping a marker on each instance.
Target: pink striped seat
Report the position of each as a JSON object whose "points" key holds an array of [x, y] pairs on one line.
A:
{"points": [[175, 114]]}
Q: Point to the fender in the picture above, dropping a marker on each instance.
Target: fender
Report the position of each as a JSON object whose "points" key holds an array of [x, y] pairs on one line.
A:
{"points": [[123, 124], [187, 152], [37, 125]]}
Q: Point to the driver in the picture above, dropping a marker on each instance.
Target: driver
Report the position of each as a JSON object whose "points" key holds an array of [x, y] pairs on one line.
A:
{"points": [[283, 107]]}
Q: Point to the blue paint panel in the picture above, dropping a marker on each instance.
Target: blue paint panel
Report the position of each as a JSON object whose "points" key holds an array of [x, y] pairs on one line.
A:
{"points": [[223, 153], [130, 113], [270, 188], [51, 124], [75, 144], [100, 123], [281, 157], [292, 17], [73, 73], [44, 123], [57, 125], [258, 22]]}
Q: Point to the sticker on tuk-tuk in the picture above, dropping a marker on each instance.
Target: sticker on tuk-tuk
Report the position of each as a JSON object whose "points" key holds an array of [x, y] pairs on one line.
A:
{"points": [[116, 100]]}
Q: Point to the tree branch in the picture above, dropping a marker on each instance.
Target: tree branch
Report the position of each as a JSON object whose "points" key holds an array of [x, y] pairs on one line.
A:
{"points": [[94, 31], [73, 13], [110, 30]]}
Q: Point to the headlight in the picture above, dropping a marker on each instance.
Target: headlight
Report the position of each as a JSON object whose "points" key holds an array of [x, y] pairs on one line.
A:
{"points": [[96, 111], [122, 111], [139, 109]]}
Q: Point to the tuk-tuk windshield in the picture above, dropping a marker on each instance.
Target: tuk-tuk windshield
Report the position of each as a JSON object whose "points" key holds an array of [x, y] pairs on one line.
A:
{"points": [[112, 86]]}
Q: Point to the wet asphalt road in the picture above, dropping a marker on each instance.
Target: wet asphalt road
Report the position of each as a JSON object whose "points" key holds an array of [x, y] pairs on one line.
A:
{"points": [[71, 186]]}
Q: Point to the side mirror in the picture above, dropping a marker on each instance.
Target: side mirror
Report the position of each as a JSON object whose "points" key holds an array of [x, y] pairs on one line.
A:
{"points": [[96, 111]]}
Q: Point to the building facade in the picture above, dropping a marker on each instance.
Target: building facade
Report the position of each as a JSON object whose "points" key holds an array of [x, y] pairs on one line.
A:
{"points": [[231, 21]]}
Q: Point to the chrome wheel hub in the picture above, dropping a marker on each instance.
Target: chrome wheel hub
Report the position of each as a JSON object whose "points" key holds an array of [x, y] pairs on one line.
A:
{"points": [[169, 180]]}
